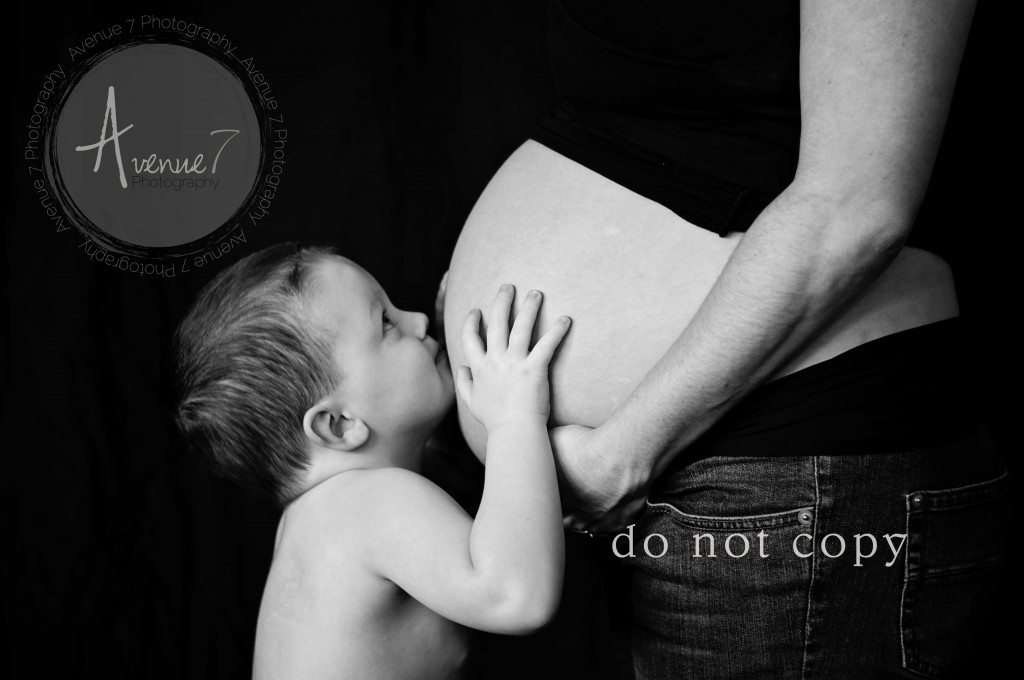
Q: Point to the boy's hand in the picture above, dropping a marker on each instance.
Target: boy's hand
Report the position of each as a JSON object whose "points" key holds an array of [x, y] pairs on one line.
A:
{"points": [[506, 383]]}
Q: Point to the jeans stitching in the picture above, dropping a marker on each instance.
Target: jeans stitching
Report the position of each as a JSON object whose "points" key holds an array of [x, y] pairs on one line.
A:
{"points": [[986, 565], [810, 581], [708, 521], [963, 496], [906, 580], [917, 667]]}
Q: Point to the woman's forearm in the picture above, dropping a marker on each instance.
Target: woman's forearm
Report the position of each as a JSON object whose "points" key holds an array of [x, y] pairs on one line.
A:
{"points": [[802, 261], [876, 79]]}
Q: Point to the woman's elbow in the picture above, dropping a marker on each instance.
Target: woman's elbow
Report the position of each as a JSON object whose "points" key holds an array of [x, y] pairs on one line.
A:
{"points": [[851, 227], [865, 240]]}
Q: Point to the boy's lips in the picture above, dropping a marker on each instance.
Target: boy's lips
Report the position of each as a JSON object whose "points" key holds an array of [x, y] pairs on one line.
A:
{"points": [[439, 351]]}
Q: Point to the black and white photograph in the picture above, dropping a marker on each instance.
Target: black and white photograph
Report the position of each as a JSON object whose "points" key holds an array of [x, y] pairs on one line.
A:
{"points": [[550, 339]]}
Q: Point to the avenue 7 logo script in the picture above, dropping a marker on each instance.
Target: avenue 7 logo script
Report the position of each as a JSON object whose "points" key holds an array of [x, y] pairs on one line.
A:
{"points": [[157, 143]]}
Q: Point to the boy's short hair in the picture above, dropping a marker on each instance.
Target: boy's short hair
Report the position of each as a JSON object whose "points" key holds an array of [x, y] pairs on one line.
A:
{"points": [[249, 363]]}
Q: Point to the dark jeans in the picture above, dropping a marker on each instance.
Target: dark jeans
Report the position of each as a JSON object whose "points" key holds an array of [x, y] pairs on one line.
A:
{"points": [[831, 614]]}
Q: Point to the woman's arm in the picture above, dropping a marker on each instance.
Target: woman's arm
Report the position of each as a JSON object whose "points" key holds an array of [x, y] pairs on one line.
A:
{"points": [[876, 78]]}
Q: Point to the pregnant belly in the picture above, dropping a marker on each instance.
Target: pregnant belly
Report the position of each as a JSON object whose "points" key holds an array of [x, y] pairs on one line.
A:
{"points": [[629, 272]]}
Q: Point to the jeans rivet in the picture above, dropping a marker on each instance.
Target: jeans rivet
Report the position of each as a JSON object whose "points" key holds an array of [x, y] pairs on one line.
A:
{"points": [[805, 517], [917, 499]]}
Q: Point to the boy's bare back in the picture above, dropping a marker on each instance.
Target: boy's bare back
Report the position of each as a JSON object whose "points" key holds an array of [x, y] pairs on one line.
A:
{"points": [[327, 614]]}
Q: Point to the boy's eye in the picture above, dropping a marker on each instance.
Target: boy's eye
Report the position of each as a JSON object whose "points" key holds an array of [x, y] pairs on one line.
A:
{"points": [[386, 322]]}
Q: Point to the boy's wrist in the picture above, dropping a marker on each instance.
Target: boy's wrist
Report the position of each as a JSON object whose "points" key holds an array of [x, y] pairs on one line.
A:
{"points": [[518, 423]]}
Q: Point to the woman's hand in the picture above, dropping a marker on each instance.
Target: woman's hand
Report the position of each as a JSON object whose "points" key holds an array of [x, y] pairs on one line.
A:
{"points": [[601, 493], [876, 80]]}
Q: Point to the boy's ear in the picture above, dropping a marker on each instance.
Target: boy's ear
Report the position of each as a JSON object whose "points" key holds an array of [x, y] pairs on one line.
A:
{"points": [[330, 426]]}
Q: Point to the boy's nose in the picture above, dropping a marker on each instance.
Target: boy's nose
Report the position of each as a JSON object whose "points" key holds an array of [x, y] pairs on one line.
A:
{"points": [[418, 323]]}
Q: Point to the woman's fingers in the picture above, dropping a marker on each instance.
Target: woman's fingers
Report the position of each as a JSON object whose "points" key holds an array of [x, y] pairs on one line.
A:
{"points": [[605, 524], [575, 526], [573, 522], [548, 343], [497, 322], [522, 328], [472, 345]]}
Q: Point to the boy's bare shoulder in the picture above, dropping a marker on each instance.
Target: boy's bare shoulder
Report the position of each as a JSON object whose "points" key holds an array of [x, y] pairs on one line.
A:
{"points": [[336, 522], [369, 486], [371, 514], [358, 501]]}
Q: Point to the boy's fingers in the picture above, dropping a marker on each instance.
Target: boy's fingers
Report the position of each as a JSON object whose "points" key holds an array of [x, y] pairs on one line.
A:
{"points": [[464, 383], [472, 345], [522, 328], [548, 343], [497, 322]]}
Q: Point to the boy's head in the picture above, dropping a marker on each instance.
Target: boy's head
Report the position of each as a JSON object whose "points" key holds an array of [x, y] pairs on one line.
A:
{"points": [[294, 354]]}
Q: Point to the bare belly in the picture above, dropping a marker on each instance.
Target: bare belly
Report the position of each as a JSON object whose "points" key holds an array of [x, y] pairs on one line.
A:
{"points": [[631, 274]]}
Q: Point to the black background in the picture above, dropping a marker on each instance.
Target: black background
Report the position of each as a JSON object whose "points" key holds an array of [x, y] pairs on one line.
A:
{"points": [[123, 559]]}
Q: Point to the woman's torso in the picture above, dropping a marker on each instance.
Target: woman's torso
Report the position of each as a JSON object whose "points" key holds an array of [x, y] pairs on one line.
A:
{"points": [[631, 274], [631, 271]]}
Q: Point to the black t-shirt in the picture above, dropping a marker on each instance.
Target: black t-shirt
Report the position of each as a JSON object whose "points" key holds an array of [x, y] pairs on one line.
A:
{"points": [[695, 105]]}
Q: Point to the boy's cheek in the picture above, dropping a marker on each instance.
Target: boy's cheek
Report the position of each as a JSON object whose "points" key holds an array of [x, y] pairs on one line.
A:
{"points": [[448, 380]]}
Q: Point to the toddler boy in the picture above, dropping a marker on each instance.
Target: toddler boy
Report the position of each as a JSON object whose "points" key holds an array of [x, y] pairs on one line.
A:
{"points": [[298, 374]]}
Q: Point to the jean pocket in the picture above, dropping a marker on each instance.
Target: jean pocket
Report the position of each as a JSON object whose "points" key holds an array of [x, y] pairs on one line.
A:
{"points": [[714, 546], [955, 545], [729, 598], [790, 517]]}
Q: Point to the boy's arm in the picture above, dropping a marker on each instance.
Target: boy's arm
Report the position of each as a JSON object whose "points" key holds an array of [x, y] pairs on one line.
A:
{"points": [[502, 572]]}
